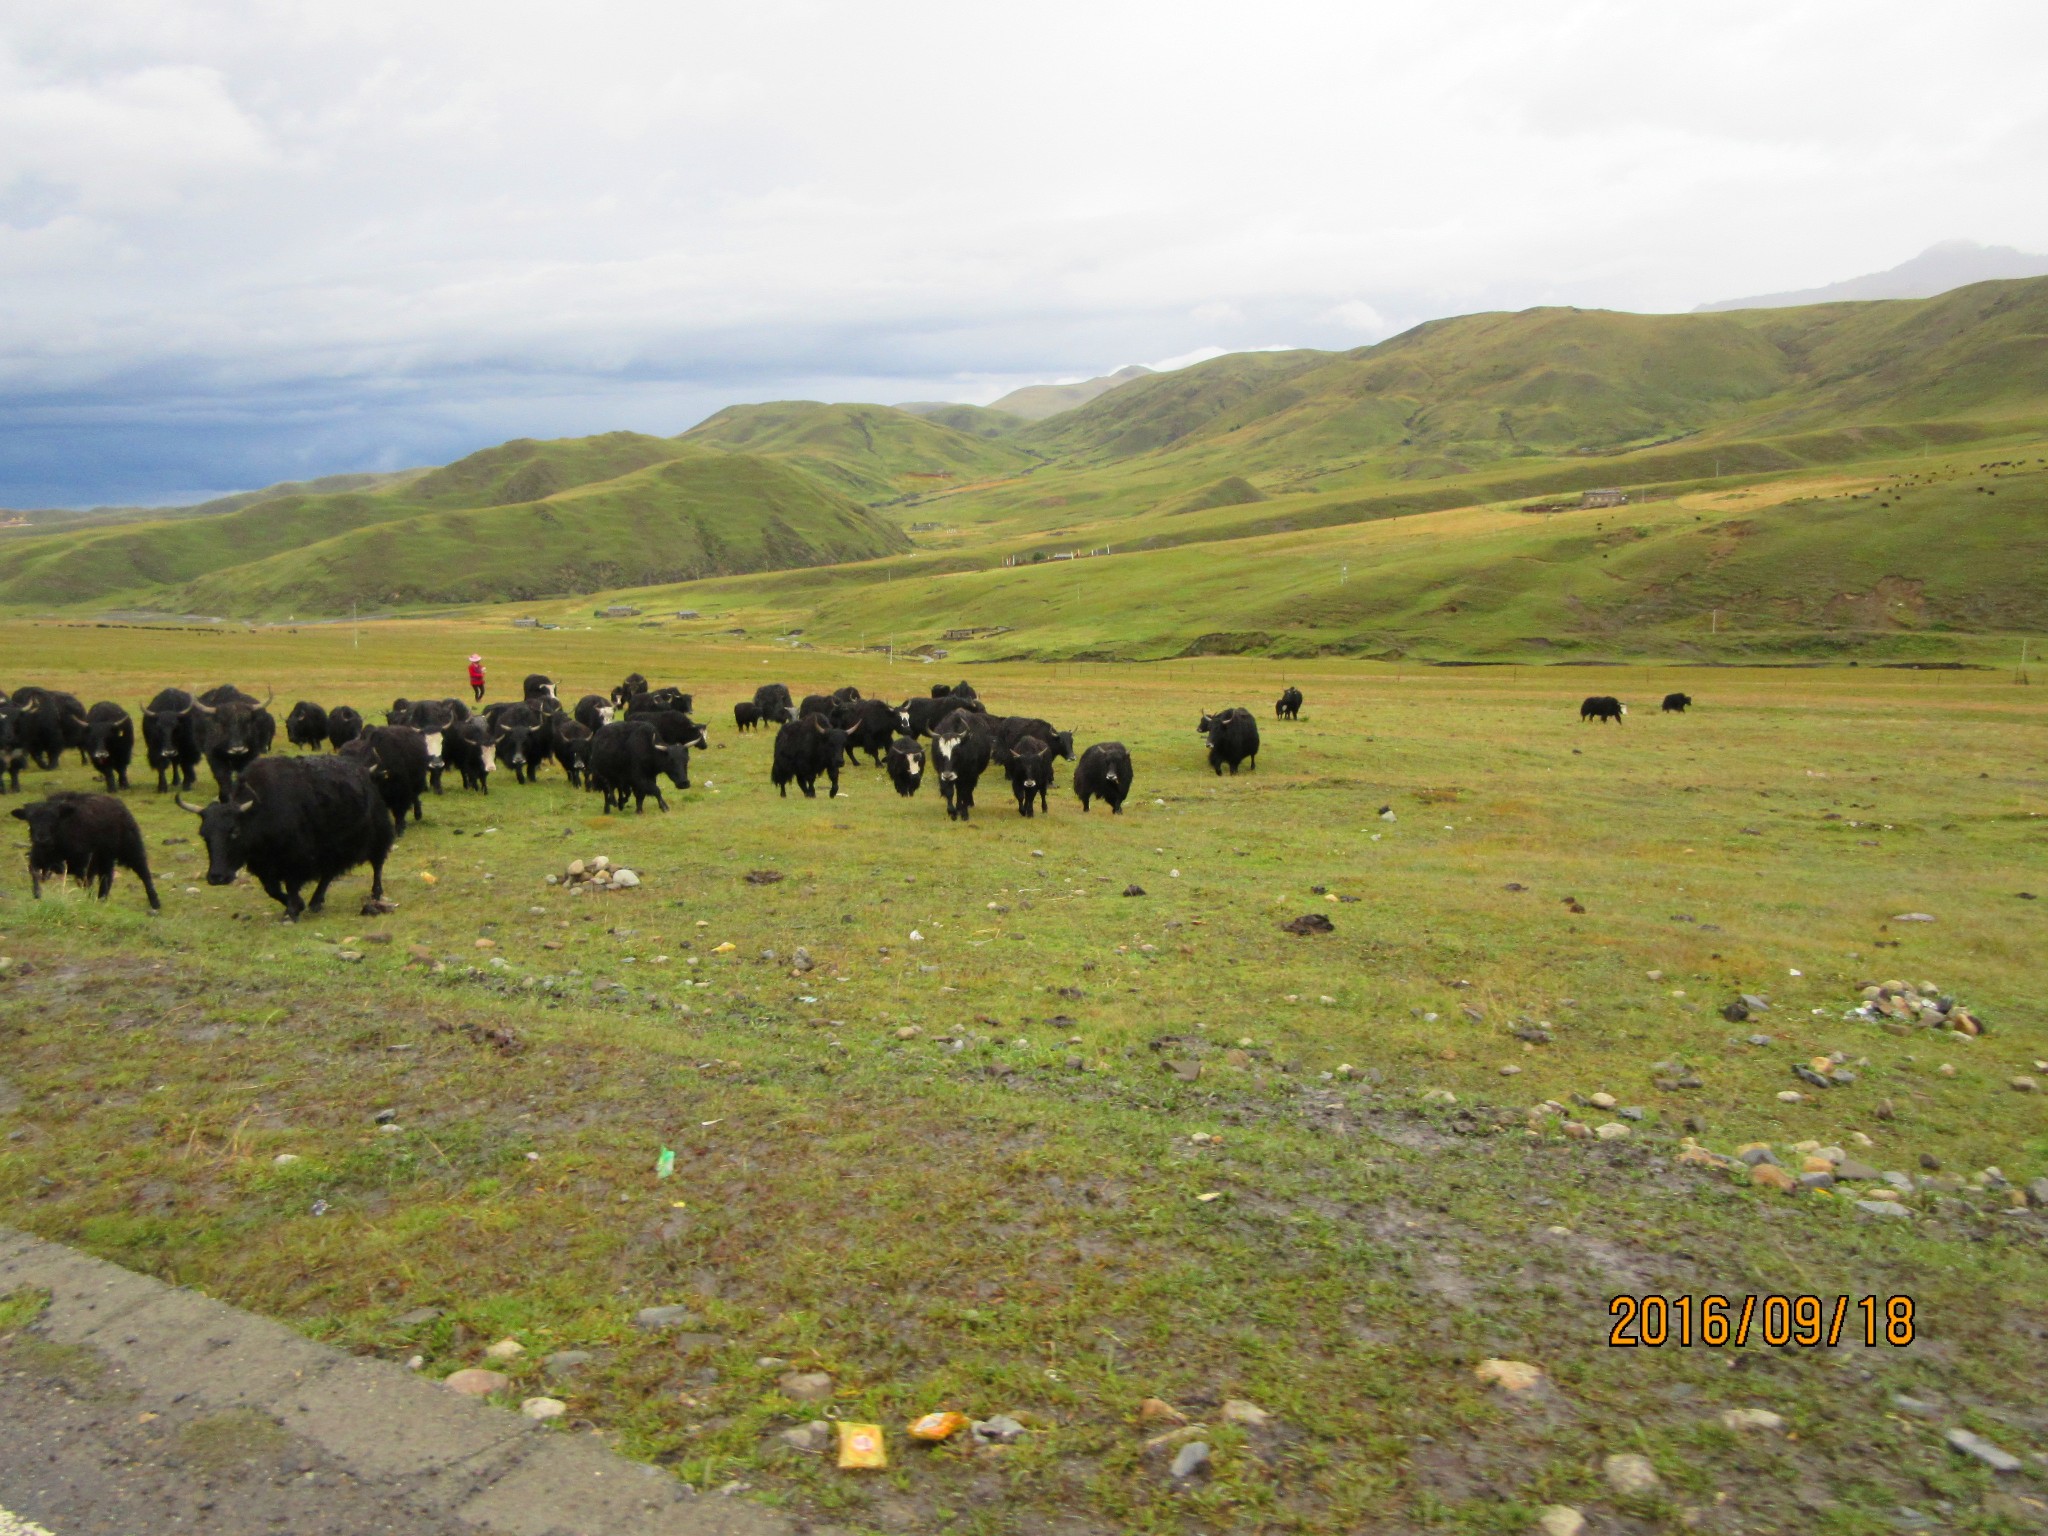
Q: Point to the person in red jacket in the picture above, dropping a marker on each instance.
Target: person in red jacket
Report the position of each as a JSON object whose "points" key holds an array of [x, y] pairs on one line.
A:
{"points": [[476, 677]]}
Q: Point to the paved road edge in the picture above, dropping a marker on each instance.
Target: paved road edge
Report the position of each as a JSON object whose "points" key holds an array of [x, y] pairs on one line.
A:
{"points": [[482, 1466]]}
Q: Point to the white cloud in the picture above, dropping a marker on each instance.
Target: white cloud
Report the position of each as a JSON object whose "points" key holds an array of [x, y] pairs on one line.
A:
{"points": [[1357, 315], [1184, 359], [745, 198]]}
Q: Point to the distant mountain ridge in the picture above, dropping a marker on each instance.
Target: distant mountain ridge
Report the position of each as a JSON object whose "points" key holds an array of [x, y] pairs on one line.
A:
{"points": [[1935, 271], [522, 520], [1035, 402], [1472, 410]]}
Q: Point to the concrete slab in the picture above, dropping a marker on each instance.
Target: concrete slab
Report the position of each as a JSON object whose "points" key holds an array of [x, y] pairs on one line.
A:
{"points": [[399, 1442]]}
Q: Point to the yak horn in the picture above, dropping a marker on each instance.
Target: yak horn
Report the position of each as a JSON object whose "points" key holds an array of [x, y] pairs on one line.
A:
{"points": [[195, 810]]}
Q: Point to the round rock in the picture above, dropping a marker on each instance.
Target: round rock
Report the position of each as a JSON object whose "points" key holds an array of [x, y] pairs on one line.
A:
{"points": [[476, 1383], [1629, 1474], [806, 1386]]}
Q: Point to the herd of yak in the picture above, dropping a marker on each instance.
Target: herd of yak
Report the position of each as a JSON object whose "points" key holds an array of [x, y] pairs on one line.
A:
{"points": [[301, 821]]}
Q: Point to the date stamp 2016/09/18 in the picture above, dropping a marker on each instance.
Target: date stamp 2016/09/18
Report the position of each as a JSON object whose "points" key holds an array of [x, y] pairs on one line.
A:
{"points": [[1808, 1322]]}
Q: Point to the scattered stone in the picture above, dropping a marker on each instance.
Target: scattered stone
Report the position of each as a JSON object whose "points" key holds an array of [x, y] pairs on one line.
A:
{"points": [[1918, 1407], [1613, 1130], [1603, 1101], [1157, 1410], [418, 1317], [1560, 1520], [1751, 1418], [806, 1386], [1508, 1375], [505, 1349], [1757, 1152], [476, 1383], [1883, 1208], [1192, 1460], [2023, 1084], [1000, 1430], [676, 1316], [1236, 1410], [1912, 917], [809, 1438], [2037, 1193], [1630, 1475], [585, 875], [1771, 1176], [543, 1408], [1976, 1445], [566, 1362]]}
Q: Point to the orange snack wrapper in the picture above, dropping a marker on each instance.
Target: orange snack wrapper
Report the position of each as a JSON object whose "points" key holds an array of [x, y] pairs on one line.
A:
{"points": [[860, 1445], [937, 1426]]}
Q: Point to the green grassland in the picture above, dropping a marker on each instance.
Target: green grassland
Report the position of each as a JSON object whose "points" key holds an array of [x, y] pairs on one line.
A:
{"points": [[953, 1164], [1232, 490], [1933, 559]]}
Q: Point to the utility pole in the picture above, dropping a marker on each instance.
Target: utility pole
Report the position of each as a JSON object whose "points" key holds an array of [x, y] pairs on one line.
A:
{"points": [[1717, 622], [355, 634]]}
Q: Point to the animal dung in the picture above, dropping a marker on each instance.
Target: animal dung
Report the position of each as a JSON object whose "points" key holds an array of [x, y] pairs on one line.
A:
{"points": [[1309, 922]]}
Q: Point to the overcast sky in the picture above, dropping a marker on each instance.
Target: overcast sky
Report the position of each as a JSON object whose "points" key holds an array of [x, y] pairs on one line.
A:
{"points": [[243, 242]]}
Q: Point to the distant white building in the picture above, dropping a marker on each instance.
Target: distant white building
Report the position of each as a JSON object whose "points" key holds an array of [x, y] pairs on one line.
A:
{"points": [[1606, 498]]}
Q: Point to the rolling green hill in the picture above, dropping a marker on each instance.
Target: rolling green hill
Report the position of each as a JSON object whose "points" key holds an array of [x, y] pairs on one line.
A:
{"points": [[683, 519], [626, 509], [974, 420], [1906, 566], [1453, 395], [1200, 479], [874, 453]]}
